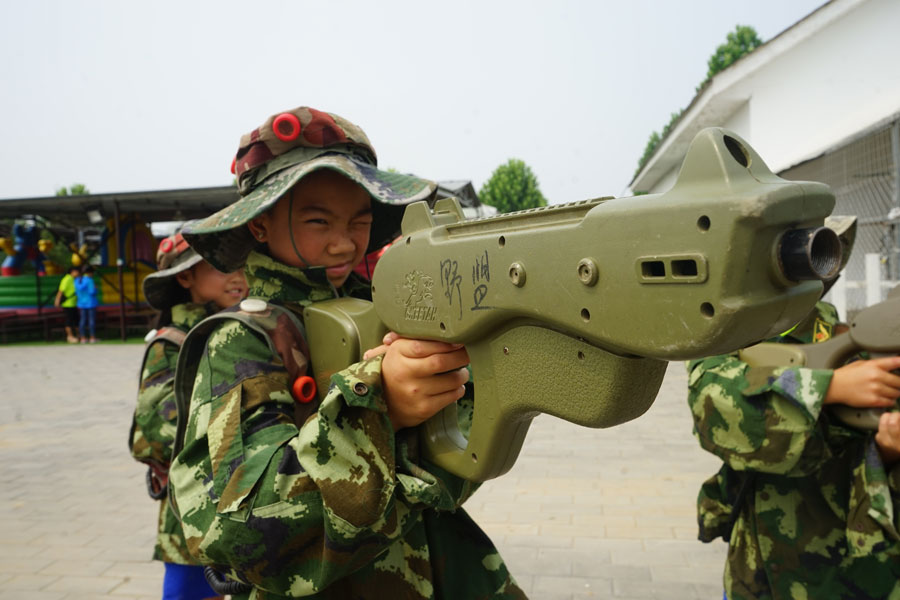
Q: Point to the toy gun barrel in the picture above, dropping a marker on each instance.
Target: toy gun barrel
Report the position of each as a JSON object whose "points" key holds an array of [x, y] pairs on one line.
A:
{"points": [[812, 253], [573, 310]]}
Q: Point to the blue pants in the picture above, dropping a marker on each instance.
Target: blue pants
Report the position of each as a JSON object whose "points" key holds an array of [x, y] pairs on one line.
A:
{"points": [[185, 582], [86, 316]]}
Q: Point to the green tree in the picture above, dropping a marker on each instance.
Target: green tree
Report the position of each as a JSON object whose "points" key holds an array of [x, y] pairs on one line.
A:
{"points": [[740, 42], [76, 189], [656, 139], [512, 186]]}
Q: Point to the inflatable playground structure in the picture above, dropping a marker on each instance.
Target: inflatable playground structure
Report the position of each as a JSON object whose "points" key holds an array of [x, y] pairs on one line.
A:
{"points": [[27, 300]]}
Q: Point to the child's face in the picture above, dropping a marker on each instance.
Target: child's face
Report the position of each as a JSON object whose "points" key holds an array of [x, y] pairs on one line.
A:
{"points": [[330, 223], [207, 284]]}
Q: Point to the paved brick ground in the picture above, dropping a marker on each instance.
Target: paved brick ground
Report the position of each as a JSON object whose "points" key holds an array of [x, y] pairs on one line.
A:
{"points": [[583, 514]]}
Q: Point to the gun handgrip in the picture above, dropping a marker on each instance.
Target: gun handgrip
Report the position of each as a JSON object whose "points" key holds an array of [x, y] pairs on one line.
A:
{"points": [[521, 370], [525, 369], [830, 354]]}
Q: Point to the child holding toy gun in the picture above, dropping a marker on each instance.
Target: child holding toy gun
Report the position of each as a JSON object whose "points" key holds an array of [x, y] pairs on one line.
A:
{"points": [[185, 289], [286, 496], [806, 502]]}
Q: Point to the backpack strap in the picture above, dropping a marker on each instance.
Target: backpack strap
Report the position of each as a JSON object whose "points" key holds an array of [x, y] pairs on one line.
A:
{"points": [[278, 326], [169, 334], [157, 474]]}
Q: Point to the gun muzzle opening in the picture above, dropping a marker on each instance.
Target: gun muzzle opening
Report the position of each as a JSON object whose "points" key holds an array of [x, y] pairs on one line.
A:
{"points": [[812, 253]]}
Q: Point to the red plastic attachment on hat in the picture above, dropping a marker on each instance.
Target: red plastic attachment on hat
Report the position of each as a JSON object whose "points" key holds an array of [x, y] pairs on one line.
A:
{"points": [[166, 245], [286, 127], [304, 389], [233, 163], [180, 243]]}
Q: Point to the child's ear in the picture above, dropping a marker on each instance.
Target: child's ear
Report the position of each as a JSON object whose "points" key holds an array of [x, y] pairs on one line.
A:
{"points": [[185, 278], [257, 229]]}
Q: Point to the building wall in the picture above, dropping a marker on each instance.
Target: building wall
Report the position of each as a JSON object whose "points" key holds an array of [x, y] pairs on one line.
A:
{"points": [[837, 76], [826, 88]]}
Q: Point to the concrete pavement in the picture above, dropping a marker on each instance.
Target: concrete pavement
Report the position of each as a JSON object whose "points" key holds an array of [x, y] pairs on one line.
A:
{"points": [[583, 514]]}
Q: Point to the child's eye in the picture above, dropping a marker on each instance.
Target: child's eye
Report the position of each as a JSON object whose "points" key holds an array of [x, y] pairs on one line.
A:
{"points": [[317, 221]]}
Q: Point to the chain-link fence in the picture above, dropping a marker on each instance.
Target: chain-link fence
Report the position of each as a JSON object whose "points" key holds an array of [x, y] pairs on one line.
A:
{"points": [[864, 174]]}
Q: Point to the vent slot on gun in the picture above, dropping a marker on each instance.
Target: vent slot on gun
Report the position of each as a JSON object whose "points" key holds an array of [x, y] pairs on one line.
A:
{"points": [[653, 269], [691, 268], [684, 268]]}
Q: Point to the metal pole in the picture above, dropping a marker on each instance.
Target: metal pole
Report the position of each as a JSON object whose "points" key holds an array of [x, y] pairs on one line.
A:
{"points": [[37, 290], [873, 278], [134, 264], [895, 154], [121, 275]]}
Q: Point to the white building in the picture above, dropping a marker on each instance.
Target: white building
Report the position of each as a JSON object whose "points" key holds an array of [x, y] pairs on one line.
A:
{"points": [[820, 101]]}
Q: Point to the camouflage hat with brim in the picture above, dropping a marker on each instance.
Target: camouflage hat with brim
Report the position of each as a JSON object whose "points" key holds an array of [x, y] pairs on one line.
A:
{"points": [[174, 255], [285, 149]]}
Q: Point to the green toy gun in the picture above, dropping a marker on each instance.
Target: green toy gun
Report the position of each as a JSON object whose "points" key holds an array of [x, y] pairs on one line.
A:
{"points": [[875, 330], [573, 310]]}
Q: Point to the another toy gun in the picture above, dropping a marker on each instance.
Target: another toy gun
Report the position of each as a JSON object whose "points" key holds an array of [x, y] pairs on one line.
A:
{"points": [[875, 330], [573, 310]]}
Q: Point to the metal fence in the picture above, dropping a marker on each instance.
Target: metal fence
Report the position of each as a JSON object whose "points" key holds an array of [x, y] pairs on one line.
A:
{"points": [[864, 174]]}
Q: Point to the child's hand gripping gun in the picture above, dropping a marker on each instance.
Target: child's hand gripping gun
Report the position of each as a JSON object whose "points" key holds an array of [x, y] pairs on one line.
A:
{"points": [[573, 310], [875, 330]]}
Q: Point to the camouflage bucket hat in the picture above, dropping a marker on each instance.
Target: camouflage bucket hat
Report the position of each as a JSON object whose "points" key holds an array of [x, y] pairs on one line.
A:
{"points": [[275, 156], [173, 256]]}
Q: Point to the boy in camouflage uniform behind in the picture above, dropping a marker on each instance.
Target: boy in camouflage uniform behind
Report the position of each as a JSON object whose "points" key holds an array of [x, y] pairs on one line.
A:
{"points": [[327, 500], [185, 290], [805, 502]]}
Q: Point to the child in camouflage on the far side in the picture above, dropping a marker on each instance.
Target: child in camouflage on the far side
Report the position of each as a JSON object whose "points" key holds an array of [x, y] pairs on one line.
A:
{"points": [[807, 504], [327, 500], [185, 290]]}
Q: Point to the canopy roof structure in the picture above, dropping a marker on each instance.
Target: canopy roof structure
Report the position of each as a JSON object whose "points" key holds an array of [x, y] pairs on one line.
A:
{"points": [[164, 205], [161, 205], [71, 213]]}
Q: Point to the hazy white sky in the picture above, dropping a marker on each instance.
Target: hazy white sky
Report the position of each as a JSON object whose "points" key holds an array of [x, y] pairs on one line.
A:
{"points": [[127, 95]]}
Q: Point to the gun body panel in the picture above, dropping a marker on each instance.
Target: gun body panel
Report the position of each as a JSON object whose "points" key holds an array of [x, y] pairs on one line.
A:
{"points": [[688, 273], [340, 331], [525, 369], [572, 310]]}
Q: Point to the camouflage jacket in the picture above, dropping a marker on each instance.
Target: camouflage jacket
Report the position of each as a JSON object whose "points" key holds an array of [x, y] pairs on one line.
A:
{"points": [[153, 425], [813, 501], [334, 505]]}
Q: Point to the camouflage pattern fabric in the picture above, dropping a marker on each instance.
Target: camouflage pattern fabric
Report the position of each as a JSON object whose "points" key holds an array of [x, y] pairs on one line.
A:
{"points": [[335, 506], [817, 327], [153, 427], [815, 516]]}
